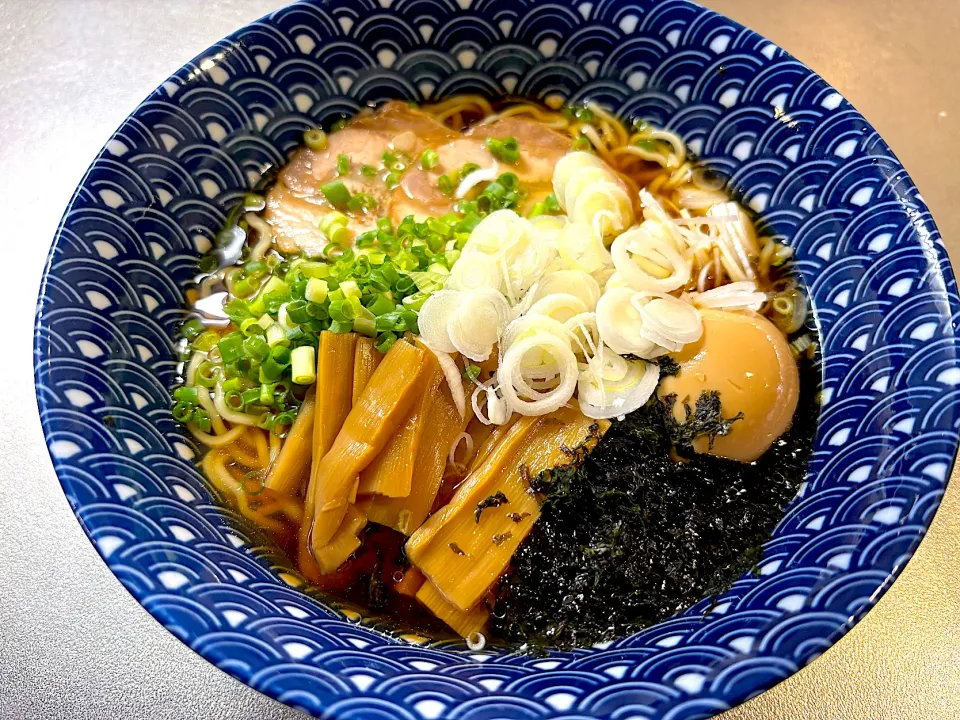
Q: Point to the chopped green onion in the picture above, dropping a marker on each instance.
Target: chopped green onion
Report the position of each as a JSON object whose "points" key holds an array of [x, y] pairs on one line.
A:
{"points": [[201, 419], [385, 341], [207, 375], [317, 290], [445, 184], [182, 412], [274, 285], [392, 179], [336, 193], [206, 341], [552, 204], [341, 327], [365, 326], [582, 143], [349, 288], [253, 202], [381, 305], [304, 364], [343, 164], [256, 348], [231, 347], [315, 139], [192, 328], [188, 395], [472, 372], [507, 150], [266, 393], [276, 335], [265, 321], [361, 202], [368, 170], [251, 326], [281, 424], [429, 159], [270, 370]]}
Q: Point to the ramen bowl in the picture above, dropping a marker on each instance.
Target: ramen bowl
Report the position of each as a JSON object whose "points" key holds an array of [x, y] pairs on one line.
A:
{"points": [[813, 170]]}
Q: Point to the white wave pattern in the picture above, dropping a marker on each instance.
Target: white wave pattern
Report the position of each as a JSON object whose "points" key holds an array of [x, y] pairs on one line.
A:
{"points": [[818, 175]]}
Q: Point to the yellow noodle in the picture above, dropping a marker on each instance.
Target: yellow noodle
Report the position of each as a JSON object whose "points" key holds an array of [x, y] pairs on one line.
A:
{"points": [[206, 402], [260, 442], [209, 440], [275, 445], [238, 451]]}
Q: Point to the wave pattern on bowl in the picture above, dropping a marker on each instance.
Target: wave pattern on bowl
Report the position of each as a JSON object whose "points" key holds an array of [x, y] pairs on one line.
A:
{"points": [[801, 156]]}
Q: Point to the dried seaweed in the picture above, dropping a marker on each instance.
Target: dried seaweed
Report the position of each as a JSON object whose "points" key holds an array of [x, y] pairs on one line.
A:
{"points": [[495, 500], [628, 536]]}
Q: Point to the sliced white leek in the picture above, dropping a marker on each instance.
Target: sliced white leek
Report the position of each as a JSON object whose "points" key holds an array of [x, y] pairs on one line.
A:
{"points": [[621, 325], [600, 400], [666, 318], [605, 206], [452, 375], [581, 248], [574, 282], [433, 319], [565, 169], [538, 403], [477, 177], [580, 182], [549, 227], [558, 306], [647, 258], [473, 270], [583, 332], [734, 296]]}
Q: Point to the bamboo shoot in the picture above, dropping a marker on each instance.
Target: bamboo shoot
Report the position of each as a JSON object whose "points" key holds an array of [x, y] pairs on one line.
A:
{"points": [[442, 426], [365, 361], [345, 541], [466, 545], [383, 405], [411, 582], [291, 470], [391, 472], [334, 390], [464, 623]]}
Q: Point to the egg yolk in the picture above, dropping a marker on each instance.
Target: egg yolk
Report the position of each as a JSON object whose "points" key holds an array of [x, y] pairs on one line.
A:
{"points": [[748, 361]]}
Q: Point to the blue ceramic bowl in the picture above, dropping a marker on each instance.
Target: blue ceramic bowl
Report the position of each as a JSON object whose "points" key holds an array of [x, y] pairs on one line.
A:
{"points": [[813, 169]]}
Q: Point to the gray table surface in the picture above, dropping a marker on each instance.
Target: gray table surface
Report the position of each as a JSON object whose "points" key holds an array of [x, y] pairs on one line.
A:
{"points": [[74, 644]]}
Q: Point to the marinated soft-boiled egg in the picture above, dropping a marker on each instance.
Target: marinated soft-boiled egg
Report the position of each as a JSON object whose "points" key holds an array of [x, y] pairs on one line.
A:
{"points": [[748, 361]]}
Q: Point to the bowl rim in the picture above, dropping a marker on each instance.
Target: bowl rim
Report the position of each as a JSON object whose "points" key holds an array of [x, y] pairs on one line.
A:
{"points": [[159, 614]]}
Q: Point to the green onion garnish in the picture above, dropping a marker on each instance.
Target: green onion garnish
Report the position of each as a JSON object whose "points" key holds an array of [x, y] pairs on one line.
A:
{"points": [[368, 171], [336, 193], [471, 372], [315, 139], [343, 164], [304, 365], [429, 159], [507, 150], [445, 185], [361, 202]]}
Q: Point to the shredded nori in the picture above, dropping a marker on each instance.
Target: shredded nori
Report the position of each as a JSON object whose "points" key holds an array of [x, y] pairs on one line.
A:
{"points": [[518, 517], [628, 536], [495, 500], [705, 419]]}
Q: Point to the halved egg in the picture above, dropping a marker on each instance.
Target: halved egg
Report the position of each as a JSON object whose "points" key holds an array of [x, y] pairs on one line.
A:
{"points": [[748, 361]]}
